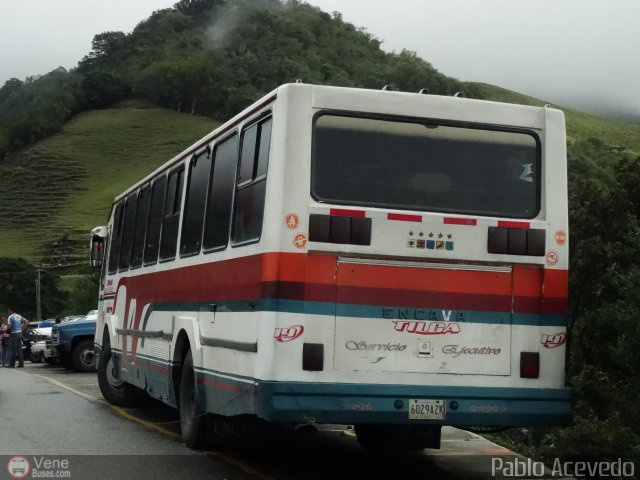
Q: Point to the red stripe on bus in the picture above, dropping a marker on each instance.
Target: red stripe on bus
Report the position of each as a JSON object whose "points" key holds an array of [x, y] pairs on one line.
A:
{"points": [[460, 221], [312, 278], [401, 217], [510, 224], [339, 212], [151, 366], [218, 384]]}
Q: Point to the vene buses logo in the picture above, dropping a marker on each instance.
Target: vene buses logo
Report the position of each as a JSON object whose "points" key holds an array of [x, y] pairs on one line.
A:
{"points": [[18, 467], [288, 334], [426, 328]]}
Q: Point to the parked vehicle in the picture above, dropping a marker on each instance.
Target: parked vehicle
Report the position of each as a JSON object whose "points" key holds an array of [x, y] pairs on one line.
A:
{"points": [[72, 343], [28, 338], [36, 340]]}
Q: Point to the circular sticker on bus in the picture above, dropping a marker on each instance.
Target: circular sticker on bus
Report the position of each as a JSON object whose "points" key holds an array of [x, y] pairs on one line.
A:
{"points": [[552, 258], [300, 241], [291, 221], [561, 237]]}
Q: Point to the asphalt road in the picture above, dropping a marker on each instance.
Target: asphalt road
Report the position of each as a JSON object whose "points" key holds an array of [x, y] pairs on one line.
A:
{"points": [[54, 414]]}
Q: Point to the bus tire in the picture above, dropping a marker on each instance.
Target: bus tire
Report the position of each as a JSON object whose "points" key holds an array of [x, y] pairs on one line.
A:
{"points": [[193, 420], [114, 390], [83, 357]]}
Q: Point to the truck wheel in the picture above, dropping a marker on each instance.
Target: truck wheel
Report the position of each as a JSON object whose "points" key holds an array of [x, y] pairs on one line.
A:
{"points": [[66, 361], [193, 419], [114, 390], [36, 357], [83, 357]]}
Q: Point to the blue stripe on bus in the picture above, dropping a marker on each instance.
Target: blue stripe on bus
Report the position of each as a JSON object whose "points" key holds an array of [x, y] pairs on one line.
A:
{"points": [[364, 403], [356, 311], [229, 394]]}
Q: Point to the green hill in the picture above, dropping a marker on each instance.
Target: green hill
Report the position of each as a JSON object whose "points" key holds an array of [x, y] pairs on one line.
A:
{"points": [[63, 186], [65, 151]]}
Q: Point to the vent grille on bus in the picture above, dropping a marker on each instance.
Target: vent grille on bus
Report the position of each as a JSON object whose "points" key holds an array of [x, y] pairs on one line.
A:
{"points": [[338, 229], [516, 241]]}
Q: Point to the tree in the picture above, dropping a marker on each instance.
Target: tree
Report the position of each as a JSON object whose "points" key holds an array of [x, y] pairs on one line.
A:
{"points": [[107, 43], [18, 289]]}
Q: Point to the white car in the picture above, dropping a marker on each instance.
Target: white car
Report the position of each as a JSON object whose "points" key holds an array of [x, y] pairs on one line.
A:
{"points": [[39, 337]]}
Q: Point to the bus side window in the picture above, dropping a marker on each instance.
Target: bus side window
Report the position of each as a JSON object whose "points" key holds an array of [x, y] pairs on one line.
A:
{"points": [[220, 199], [127, 231], [152, 240], [116, 238], [142, 216], [193, 219], [171, 221], [251, 187]]}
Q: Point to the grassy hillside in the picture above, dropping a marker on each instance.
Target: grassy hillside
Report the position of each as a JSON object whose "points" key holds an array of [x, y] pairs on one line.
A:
{"points": [[64, 185]]}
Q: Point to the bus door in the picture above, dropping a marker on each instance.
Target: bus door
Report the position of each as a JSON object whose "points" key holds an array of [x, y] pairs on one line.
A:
{"points": [[399, 316]]}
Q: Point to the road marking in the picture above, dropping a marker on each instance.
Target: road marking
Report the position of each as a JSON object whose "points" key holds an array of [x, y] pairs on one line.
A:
{"points": [[152, 426], [122, 412], [95, 400], [219, 455]]}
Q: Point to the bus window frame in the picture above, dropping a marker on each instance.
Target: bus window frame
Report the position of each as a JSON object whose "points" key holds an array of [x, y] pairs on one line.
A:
{"points": [[127, 206], [176, 170], [162, 176], [143, 239], [437, 122], [188, 177], [235, 132], [116, 230], [256, 179]]}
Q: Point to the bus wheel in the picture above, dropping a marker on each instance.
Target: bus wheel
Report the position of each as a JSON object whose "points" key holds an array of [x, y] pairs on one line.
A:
{"points": [[192, 419], [114, 390]]}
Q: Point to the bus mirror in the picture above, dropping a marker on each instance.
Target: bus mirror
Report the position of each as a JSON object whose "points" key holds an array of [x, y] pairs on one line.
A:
{"points": [[97, 251]]}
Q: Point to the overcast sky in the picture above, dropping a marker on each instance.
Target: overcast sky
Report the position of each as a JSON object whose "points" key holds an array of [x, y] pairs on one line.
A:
{"points": [[570, 52]]}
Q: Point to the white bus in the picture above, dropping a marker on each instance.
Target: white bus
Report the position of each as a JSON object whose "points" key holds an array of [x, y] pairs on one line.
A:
{"points": [[395, 261]]}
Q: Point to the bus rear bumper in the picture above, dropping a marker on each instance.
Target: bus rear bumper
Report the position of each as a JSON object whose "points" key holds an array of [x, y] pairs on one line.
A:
{"points": [[465, 406]]}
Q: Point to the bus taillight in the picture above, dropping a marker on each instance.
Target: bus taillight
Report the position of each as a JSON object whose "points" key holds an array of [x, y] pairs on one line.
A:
{"points": [[529, 365]]}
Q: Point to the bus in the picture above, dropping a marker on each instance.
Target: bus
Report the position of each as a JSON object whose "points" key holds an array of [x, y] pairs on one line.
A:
{"points": [[389, 260]]}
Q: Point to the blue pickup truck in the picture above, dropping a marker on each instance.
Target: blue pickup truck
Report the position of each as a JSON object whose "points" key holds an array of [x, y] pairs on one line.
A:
{"points": [[72, 343]]}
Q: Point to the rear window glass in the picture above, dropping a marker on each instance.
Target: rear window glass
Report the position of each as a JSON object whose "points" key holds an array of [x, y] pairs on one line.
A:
{"points": [[425, 166]]}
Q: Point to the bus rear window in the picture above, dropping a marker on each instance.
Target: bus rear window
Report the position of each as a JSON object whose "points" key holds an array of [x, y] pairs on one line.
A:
{"points": [[425, 166]]}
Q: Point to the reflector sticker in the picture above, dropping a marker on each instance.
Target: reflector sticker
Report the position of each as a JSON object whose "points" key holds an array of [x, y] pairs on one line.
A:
{"points": [[552, 258], [300, 240], [291, 221], [561, 237]]}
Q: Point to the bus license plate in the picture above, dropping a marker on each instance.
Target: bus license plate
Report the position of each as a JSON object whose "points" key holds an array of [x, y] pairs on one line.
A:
{"points": [[426, 409]]}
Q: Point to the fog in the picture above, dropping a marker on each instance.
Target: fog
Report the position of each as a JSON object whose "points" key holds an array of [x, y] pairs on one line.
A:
{"points": [[576, 53]]}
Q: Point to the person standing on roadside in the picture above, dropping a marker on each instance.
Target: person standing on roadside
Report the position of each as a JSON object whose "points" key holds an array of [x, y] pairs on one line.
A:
{"points": [[17, 323], [4, 342]]}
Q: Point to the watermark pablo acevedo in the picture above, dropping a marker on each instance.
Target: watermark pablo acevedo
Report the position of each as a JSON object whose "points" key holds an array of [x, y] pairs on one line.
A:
{"points": [[526, 467]]}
